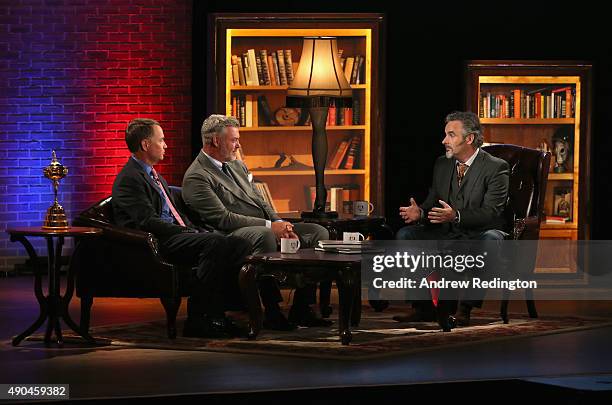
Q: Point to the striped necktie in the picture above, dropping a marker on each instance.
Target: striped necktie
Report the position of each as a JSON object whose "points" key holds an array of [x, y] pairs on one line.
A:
{"points": [[173, 210]]}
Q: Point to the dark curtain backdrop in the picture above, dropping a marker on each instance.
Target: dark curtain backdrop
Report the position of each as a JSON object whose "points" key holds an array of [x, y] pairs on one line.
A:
{"points": [[426, 49]]}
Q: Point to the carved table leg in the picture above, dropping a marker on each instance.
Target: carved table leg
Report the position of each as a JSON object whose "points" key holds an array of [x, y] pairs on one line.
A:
{"points": [[82, 329], [346, 284], [248, 286], [42, 300]]}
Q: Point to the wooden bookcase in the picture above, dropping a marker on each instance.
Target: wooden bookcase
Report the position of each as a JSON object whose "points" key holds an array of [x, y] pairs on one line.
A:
{"points": [[357, 34], [552, 83]]}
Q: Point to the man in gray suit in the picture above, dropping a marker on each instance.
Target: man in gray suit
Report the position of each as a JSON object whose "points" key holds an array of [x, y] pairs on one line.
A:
{"points": [[466, 201], [218, 188]]}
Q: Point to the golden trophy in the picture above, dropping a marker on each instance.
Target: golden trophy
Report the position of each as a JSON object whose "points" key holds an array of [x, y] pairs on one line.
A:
{"points": [[56, 217]]}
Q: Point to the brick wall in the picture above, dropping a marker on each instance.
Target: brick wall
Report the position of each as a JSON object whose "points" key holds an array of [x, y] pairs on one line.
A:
{"points": [[72, 74]]}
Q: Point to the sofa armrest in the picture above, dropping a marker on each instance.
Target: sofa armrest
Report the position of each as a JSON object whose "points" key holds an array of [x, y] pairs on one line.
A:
{"points": [[126, 236]]}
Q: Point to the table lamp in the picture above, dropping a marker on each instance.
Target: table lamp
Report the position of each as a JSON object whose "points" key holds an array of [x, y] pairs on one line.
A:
{"points": [[318, 80]]}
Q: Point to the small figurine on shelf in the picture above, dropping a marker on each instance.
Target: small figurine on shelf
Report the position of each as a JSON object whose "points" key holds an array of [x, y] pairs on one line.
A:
{"points": [[561, 149]]}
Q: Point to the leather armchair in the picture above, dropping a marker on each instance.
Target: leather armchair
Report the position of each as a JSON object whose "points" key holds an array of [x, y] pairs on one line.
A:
{"points": [[525, 205], [127, 263]]}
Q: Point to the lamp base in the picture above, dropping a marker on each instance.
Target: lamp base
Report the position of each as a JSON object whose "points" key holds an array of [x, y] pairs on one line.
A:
{"points": [[319, 214]]}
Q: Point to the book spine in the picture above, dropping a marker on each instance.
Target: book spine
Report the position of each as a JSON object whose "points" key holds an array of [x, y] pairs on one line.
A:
{"points": [[271, 71], [352, 153], [331, 115], [348, 68], [276, 68], [260, 75], [242, 111], [253, 67], [356, 112], [289, 66], [354, 72], [281, 67], [264, 67], [339, 155]]}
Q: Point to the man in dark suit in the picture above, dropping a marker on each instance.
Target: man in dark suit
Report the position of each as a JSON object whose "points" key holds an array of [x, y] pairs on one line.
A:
{"points": [[466, 201], [142, 200], [219, 190]]}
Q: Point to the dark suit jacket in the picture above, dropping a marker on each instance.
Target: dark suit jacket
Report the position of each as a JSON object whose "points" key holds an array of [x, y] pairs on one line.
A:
{"points": [[137, 202], [481, 199], [221, 202]]}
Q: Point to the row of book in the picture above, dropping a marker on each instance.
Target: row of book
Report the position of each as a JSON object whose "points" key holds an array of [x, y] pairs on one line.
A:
{"points": [[347, 154], [340, 197], [276, 68], [340, 114], [555, 219], [541, 103], [353, 67], [262, 68], [254, 111]]}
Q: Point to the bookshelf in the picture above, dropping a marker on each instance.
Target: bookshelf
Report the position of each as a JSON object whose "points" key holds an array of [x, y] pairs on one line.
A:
{"points": [[535, 104], [264, 140]]}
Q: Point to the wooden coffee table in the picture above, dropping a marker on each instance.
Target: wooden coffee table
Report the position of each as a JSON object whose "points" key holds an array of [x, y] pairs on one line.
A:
{"points": [[310, 266]]}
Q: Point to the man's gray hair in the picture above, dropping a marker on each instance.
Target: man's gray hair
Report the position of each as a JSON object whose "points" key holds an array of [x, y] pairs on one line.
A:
{"points": [[215, 124], [471, 125]]}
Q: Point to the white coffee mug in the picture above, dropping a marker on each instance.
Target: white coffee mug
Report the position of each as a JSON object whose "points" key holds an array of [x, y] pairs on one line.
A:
{"points": [[362, 208], [289, 245], [352, 236]]}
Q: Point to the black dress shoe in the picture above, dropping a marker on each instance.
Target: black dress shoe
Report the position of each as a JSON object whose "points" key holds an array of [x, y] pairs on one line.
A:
{"points": [[275, 320], [416, 316], [234, 329], [206, 327], [306, 317], [463, 316]]}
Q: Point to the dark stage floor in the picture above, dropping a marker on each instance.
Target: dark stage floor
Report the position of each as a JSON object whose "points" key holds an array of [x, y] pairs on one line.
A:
{"points": [[558, 365]]}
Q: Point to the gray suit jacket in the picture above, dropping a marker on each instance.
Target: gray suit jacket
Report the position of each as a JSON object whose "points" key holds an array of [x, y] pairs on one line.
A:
{"points": [[481, 199], [219, 201]]}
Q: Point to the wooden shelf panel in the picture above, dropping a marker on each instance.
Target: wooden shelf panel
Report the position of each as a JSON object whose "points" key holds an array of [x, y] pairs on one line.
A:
{"points": [[568, 225], [533, 121], [256, 172], [283, 88], [560, 176], [302, 128], [529, 79]]}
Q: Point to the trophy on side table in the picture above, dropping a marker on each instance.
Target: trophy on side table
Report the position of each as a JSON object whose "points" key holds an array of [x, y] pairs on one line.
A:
{"points": [[56, 217]]}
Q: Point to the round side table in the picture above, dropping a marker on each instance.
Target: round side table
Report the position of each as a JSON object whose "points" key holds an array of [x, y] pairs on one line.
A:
{"points": [[53, 307]]}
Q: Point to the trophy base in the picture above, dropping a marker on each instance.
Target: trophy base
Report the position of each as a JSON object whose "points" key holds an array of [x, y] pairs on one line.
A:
{"points": [[55, 218]]}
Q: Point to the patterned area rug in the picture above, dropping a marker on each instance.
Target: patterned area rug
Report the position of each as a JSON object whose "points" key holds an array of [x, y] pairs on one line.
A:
{"points": [[377, 335]]}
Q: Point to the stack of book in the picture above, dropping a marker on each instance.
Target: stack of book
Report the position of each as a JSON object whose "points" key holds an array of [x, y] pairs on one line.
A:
{"points": [[553, 219], [352, 247]]}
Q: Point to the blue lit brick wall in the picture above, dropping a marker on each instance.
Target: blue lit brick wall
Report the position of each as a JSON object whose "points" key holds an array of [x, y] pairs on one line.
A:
{"points": [[72, 74]]}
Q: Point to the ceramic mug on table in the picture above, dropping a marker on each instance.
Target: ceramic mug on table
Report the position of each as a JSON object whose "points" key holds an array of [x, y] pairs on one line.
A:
{"points": [[352, 236], [362, 208], [289, 245]]}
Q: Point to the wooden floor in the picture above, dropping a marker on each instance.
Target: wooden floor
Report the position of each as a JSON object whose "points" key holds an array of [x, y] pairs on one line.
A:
{"points": [[560, 359]]}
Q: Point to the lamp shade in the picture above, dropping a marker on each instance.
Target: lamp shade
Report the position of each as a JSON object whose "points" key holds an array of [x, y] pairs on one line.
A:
{"points": [[319, 72]]}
